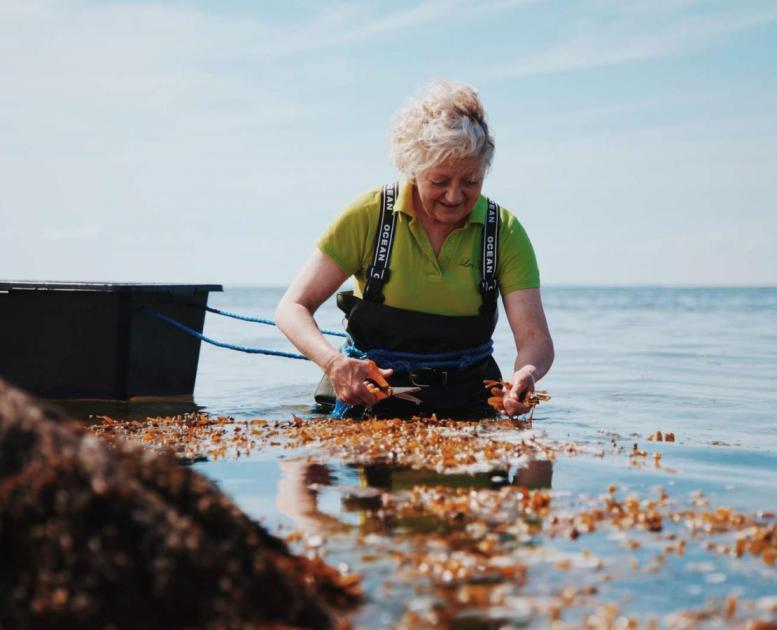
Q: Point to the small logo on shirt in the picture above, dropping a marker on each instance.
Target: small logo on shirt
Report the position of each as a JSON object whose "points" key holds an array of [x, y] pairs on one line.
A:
{"points": [[465, 262]]}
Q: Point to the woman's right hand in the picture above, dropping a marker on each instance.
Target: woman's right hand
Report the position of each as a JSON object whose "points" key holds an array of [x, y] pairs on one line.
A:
{"points": [[349, 379]]}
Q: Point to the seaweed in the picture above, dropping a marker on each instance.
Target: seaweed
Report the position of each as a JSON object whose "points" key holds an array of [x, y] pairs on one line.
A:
{"points": [[92, 536]]}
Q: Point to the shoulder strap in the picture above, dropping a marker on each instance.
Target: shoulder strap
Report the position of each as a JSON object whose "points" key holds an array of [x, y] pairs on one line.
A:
{"points": [[489, 255], [378, 271]]}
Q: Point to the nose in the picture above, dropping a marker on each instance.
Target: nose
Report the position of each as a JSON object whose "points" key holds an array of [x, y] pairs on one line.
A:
{"points": [[454, 195]]}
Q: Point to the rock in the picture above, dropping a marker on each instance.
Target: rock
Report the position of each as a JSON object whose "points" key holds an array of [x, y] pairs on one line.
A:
{"points": [[92, 536]]}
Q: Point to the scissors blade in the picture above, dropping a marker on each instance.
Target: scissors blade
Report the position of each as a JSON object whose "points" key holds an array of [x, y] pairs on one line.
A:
{"points": [[405, 393], [386, 391]]}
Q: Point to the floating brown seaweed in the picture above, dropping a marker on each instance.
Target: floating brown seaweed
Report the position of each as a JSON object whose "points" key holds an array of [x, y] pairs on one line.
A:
{"points": [[659, 436], [498, 389], [475, 548]]}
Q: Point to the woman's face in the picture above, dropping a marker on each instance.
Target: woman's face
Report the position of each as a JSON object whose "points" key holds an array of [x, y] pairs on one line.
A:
{"points": [[446, 193]]}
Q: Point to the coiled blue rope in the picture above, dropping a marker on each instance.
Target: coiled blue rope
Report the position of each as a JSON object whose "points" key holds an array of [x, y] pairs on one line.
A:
{"points": [[341, 408], [407, 361]]}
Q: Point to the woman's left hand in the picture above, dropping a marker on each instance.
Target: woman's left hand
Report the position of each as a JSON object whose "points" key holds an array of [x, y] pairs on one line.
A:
{"points": [[522, 384], [533, 343]]}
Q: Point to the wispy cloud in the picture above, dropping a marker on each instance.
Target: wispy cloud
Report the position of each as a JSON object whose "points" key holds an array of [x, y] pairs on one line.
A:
{"points": [[156, 56], [352, 23], [625, 42], [439, 10]]}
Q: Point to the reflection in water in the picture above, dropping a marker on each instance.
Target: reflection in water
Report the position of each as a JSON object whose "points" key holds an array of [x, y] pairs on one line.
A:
{"points": [[297, 496], [303, 479], [534, 474], [382, 478]]}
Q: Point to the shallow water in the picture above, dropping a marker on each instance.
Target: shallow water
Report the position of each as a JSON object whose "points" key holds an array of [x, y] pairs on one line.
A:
{"points": [[701, 363]]}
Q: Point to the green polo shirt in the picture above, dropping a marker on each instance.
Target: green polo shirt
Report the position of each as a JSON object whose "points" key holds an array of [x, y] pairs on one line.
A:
{"points": [[420, 281]]}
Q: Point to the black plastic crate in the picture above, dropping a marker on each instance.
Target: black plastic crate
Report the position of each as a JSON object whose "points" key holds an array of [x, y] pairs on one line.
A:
{"points": [[95, 340]]}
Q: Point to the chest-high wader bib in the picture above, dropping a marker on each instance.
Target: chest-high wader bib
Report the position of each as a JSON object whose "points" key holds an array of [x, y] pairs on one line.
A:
{"points": [[450, 392]]}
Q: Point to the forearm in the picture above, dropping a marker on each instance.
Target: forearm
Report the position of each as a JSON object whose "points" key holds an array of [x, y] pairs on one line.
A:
{"points": [[535, 355], [296, 322], [316, 281]]}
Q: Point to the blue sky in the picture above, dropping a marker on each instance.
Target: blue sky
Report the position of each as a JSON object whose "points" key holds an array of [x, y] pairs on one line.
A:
{"points": [[212, 141]]}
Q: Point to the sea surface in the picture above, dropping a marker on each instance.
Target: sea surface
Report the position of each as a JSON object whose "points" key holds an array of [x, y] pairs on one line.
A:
{"points": [[699, 362]]}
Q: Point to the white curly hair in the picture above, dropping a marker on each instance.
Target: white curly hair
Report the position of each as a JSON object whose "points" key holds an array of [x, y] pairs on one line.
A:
{"points": [[447, 123]]}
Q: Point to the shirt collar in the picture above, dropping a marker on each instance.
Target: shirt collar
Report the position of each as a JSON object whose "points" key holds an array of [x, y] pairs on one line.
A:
{"points": [[404, 204]]}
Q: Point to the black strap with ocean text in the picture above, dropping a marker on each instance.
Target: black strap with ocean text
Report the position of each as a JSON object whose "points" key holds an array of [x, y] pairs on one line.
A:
{"points": [[489, 254], [378, 272]]}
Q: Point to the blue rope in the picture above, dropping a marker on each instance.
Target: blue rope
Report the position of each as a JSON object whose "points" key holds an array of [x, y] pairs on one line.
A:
{"points": [[407, 361], [262, 320], [221, 344], [387, 359], [341, 408]]}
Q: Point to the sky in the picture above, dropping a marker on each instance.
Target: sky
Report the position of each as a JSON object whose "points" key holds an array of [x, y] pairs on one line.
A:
{"points": [[202, 141]]}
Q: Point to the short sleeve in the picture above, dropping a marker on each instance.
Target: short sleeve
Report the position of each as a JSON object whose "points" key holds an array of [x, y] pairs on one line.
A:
{"points": [[347, 240], [517, 266]]}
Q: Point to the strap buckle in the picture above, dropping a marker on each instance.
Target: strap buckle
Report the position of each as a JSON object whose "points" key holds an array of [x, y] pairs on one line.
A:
{"points": [[489, 292], [428, 377], [488, 285], [373, 291]]}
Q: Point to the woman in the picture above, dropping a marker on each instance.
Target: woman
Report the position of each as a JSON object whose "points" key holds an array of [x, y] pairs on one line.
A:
{"points": [[429, 256]]}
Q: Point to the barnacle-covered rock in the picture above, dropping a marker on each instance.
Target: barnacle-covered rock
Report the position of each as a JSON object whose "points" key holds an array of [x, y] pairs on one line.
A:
{"points": [[92, 536]]}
